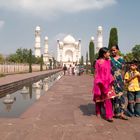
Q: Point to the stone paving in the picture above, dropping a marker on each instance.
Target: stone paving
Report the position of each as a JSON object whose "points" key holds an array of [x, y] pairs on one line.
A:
{"points": [[66, 112], [17, 77]]}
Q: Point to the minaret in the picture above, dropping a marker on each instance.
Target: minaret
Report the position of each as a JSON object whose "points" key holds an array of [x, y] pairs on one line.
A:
{"points": [[37, 42], [59, 50], [46, 45], [92, 39], [99, 38], [46, 55]]}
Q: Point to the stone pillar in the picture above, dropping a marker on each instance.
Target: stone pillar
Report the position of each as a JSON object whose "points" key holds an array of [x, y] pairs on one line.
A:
{"points": [[99, 38], [37, 42]]}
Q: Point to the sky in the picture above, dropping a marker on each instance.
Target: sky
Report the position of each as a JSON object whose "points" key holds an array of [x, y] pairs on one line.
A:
{"points": [[58, 18]]}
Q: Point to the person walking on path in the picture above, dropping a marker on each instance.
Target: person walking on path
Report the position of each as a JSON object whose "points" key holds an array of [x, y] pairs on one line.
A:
{"points": [[103, 82], [70, 69], [64, 69], [133, 94], [117, 71], [76, 70]]}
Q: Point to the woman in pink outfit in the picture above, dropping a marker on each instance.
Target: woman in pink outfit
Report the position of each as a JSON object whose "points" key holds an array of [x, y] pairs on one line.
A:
{"points": [[103, 82]]}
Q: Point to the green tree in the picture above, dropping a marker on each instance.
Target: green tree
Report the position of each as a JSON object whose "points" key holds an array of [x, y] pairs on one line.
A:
{"points": [[21, 56], [1, 58], [12, 58], [136, 52], [91, 55], [87, 63], [113, 38], [50, 60], [30, 60], [41, 63], [128, 57], [82, 60], [54, 63]]}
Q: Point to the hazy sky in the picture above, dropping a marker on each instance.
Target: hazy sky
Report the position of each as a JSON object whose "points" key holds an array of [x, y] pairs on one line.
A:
{"points": [[57, 18]]}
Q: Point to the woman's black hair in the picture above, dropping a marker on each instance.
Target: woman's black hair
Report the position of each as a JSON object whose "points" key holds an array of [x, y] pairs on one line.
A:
{"points": [[102, 51], [116, 46]]}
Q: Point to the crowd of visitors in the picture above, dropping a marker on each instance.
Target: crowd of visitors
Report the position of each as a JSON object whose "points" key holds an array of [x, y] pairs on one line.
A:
{"points": [[75, 69]]}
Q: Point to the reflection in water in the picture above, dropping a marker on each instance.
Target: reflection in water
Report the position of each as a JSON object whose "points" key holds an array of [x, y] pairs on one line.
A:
{"points": [[36, 85], [8, 107], [37, 89], [8, 101], [24, 90], [46, 86], [25, 96], [25, 93], [46, 80], [37, 93], [30, 91], [40, 82], [12, 105]]}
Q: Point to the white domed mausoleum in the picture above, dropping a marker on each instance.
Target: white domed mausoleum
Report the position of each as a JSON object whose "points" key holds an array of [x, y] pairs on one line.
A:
{"points": [[68, 50]]}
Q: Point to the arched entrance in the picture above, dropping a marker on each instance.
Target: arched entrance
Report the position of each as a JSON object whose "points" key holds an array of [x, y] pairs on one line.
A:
{"points": [[68, 56]]}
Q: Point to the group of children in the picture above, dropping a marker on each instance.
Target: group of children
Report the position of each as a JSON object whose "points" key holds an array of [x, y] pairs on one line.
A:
{"points": [[108, 86]]}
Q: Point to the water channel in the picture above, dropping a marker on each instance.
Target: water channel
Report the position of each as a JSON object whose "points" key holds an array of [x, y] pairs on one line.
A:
{"points": [[14, 104]]}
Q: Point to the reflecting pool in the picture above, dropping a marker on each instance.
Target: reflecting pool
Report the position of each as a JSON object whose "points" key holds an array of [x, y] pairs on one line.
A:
{"points": [[14, 104]]}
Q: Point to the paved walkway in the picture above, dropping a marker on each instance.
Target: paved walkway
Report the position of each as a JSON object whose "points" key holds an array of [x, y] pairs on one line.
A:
{"points": [[66, 112], [17, 77]]}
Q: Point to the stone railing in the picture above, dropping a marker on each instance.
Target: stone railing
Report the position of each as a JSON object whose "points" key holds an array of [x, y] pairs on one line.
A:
{"points": [[18, 68]]}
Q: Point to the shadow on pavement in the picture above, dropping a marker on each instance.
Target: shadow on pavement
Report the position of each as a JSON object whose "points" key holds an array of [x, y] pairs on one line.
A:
{"points": [[88, 109]]}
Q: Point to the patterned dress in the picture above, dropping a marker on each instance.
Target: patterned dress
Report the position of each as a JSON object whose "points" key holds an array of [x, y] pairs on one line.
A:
{"points": [[119, 101]]}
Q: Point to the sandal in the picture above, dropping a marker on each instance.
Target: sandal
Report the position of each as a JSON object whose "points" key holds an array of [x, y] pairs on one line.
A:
{"points": [[109, 120], [123, 117]]}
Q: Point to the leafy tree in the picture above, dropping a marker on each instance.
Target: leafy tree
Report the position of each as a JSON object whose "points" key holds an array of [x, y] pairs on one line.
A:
{"points": [[136, 52], [82, 60], [128, 57], [87, 63], [41, 63], [91, 55], [21, 56], [1, 58], [54, 63], [113, 38], [30, 60], [50, 60], [12, 58]]}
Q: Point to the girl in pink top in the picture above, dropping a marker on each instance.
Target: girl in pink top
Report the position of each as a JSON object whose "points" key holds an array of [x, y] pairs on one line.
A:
{"points": [[103, 82]]}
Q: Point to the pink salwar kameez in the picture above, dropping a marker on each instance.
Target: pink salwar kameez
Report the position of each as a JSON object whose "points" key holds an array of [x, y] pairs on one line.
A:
{"points": [[102, 84]]}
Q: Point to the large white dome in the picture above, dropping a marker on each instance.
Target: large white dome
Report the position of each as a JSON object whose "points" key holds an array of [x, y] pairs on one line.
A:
{"points": [[69, 39]]}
